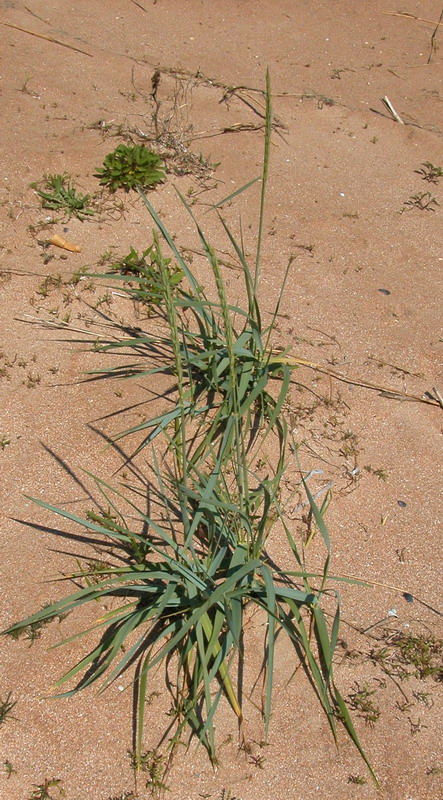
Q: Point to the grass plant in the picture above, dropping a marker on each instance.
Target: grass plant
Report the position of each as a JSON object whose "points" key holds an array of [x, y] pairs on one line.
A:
{"points": [[58, 193], [203, 558]]}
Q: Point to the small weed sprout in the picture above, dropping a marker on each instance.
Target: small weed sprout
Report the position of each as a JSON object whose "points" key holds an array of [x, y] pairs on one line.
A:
{"points": [[361, 702], [357, 780], [6, 707], [134, 167], [33, 379], [404, 656], [424, 201], [41, 790], [92, 572], [422, 654], [49, 283], [9, 768], [380, 473], [124, 796], [430, 172], [34, 630], [4, 442], [154, 765], [59, 194], [416, 727]]}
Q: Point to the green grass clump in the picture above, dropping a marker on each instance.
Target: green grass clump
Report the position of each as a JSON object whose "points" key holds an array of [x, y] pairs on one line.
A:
{"points": [[131, 168], [197, 557], [58, 193]]}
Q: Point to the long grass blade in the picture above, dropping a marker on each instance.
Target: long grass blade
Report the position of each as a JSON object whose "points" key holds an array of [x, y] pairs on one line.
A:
{"points": [[268, 132]]}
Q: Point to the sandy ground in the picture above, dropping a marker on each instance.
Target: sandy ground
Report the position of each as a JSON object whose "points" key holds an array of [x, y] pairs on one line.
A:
{"points": [[364, 299]]}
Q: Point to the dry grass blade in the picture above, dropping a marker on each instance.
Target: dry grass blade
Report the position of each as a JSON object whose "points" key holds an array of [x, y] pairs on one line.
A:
{"points": [[384, 390], [47, 38], [433, 37], [387, 103], [411, 16]]}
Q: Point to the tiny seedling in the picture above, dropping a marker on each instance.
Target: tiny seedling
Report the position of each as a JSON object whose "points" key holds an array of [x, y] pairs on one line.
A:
{"points": [[4, 441], [133, 167], [423, 654], [124, 796], [405, 656], [104, 300], [41, 790], [424, 201], [9, 768], [59, 194], [416, 727], [361, 702], [381, 474], [154, 765], [50, 282], [430, 172], [32, 380], [425, 698], [6, 707], [92, 571], [77, 276], [34, 630], [357, 780], [258, 761]]}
